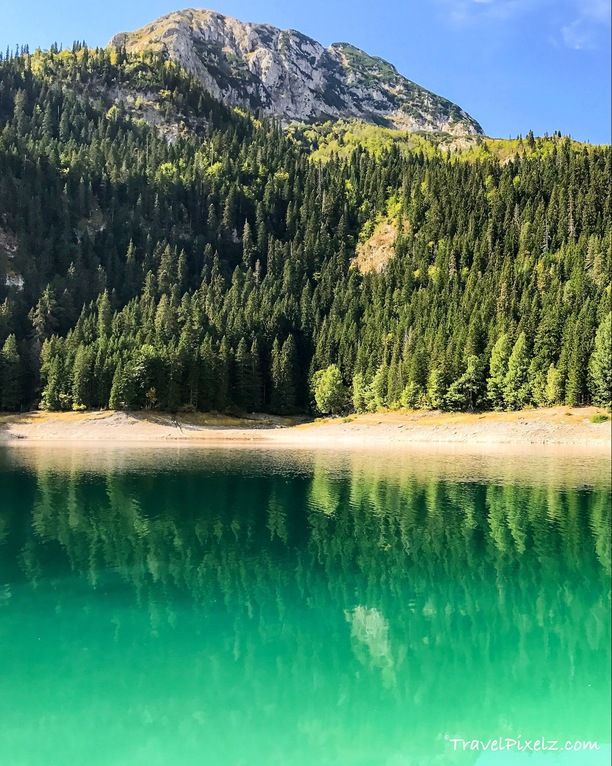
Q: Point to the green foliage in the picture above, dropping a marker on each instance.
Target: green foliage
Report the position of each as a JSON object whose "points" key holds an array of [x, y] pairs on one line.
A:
{"points": [[120, 394], [328, 390], [466, 393], [10, 375], [600, 364], [360, 393], [215, 271], [412, 396], [283, 377], [83, 378], [340, 139], [377, 398], [515, 381], [498, 369], [600, 417], [436, 387], [553, 392]]}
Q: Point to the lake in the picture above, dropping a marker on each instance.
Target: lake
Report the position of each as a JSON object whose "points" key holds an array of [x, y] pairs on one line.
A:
{"points": [[180, 607]]}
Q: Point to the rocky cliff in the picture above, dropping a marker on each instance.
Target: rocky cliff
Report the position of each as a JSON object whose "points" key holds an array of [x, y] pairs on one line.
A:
{"points": [[284, 74]]}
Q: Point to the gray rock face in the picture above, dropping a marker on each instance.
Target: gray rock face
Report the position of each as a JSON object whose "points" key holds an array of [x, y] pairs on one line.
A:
{"points": [[287, 75]]}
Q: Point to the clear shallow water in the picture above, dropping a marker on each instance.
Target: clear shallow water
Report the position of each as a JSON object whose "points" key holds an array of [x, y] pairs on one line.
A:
{"points": [[183, 607]]}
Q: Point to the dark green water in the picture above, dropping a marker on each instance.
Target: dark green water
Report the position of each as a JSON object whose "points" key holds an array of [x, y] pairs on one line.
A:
{"points": [[177, 608]]}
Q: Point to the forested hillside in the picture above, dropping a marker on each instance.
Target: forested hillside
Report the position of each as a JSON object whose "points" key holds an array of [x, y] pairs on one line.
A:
{"points": [[158, 250]]}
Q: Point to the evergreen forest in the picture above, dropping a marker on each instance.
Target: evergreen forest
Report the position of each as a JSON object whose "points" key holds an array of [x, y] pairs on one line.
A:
{"points": [[159, 250]]}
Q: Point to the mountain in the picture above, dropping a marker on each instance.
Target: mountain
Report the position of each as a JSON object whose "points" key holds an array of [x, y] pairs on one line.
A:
{"points": [[287, 75]]}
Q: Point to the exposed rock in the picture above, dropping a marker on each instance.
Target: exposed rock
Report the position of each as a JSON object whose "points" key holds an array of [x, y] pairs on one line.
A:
{"points": [[14, 280], [149, 107], [8, 249], [287, 75], [8, 243], [373, 254]]}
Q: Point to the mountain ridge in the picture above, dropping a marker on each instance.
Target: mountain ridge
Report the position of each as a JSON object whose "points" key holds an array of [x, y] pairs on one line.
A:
{"points": [[289, 76]]}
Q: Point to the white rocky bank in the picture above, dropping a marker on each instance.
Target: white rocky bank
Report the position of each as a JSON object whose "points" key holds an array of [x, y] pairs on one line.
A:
{"points": [[292, 77]]}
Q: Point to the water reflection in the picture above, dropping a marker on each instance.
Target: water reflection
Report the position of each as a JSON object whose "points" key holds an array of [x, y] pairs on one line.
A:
{"points": [[311, 610]]}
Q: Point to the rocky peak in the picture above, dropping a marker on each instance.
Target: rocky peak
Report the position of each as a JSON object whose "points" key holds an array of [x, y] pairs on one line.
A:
{"points": [[285, 74]]}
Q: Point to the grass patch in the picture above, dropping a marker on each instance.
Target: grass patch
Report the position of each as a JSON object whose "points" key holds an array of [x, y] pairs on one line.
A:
{"points": [[599, 417]]}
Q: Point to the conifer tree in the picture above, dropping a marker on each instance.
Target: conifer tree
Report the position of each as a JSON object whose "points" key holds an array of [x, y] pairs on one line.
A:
{"points": [[436, 387], [10, 375], [104, 315], [579, 351], [412, 396], [248, 248], [359, 393], [600, 364], [467, 391], [208, 380], [117, 399], [275, 376], [283, 374], [255, 393], [82, 378], [223, 372], [498, 369], [243, 386], [51, 368], [516, 386], [553, 391], [378, 389]]}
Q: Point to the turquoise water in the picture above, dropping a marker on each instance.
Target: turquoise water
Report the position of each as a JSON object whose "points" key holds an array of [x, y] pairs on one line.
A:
{"points": [[181, 607]]}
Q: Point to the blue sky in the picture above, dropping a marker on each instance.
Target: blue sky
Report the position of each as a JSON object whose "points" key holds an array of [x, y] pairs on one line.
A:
{"points": [[515, 65]]}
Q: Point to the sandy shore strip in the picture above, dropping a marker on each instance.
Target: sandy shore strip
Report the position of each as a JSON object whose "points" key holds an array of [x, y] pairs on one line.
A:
{"points": [[572, 428]]}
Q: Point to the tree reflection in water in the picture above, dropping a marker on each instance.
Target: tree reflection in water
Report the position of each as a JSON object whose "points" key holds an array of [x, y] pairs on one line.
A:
{"points": [[355, 610]]}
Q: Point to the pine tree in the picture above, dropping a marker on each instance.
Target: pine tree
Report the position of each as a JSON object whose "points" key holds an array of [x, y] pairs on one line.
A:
{"points": [[10, 375], [467, 392], [174, 394], [208, 380], [553, 391], [412, 396], [576, 388], [498, 369], [118, 398], [516, 385], [248, 248], [52, 375], [275, 376], [378, 388], [104, 315], [436, 387], [283, 376], [255, 393], [600, 365], [82, 378], [242, 394], [223, 372], [359, 393]]}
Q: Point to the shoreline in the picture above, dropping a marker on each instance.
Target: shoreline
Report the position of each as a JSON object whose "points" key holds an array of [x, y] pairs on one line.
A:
{"points": [[554, 429]]}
